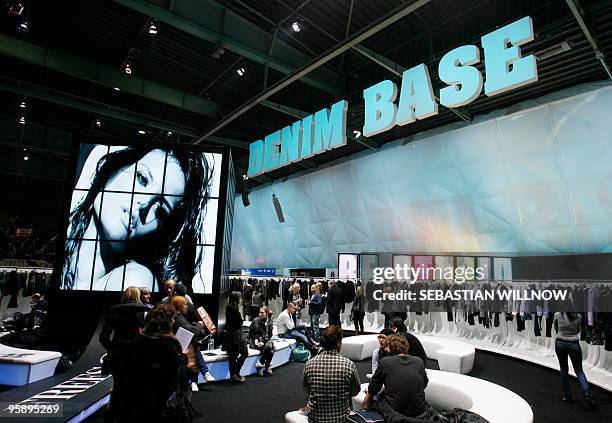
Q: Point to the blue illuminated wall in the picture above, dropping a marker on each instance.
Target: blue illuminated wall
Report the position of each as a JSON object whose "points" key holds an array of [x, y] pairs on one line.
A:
{"points": [[533, 179]]}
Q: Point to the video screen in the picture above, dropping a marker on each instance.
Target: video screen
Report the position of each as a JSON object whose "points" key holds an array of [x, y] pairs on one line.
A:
{"points": [[141, 215], [423, 266], [502, 268], [347, 266]]}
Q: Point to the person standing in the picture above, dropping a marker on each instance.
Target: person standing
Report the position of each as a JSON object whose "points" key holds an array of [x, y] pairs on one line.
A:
{"points": [[567, 344], [358, 310], [335, 302], [330, 381], [235, 342], [314, 310]]}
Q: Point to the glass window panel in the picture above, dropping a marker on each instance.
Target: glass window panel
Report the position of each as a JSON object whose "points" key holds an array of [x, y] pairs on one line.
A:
{"points": [[115, 216]]}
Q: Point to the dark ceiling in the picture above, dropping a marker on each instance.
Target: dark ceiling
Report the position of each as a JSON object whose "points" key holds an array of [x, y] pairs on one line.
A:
{"points": [[75, 52]]}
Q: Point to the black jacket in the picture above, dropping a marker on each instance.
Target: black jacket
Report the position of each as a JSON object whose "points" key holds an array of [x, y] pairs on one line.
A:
{"points": [[415, 347], [335, 300], [148, 375], [180, 321], [122, 324], [260, 330]]}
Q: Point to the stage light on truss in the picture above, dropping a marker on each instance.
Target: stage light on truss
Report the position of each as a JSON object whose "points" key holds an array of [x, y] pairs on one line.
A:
{"points": [[241, 71], [169, 134], [127, 69], [23, 104], [16, 8], [98, 122], [142, 132], [296, 26], [22, 120], [23, 25], [152, 27], [356, 133]]}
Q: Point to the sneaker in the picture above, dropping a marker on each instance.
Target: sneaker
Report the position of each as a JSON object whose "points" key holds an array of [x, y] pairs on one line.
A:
{"points": [[590, 402], [194, 387], [237, 379], [260, 371], [209, 377], [269, 372], [242, 379]]}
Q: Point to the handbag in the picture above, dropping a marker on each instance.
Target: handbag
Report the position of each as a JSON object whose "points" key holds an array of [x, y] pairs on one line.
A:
{"points": [[178, 408], [300, 354]]}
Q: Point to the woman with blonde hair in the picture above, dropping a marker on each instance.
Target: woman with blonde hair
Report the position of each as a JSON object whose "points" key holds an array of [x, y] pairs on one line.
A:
{"points": [[122, 324]]}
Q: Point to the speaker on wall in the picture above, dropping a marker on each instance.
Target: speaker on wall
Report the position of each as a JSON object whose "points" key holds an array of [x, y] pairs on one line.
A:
{"points": [[278, 208], [245, 199]]}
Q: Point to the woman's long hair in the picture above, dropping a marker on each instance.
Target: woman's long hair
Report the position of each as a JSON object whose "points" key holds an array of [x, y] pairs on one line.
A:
{"points": [[179, 259]]}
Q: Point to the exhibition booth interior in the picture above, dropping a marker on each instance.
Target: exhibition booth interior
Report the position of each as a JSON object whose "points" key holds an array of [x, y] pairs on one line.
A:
{"points": [[435, 164]]}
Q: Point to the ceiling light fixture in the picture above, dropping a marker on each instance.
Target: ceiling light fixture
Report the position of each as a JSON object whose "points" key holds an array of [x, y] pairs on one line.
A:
{"points": [[296, 26], [141, 132], [152, 27], [356, 133], [116, 89], [98, 122], [240, 71], [16, 8], [169, 133], [23, 104], [22, 120], [219, 51], [127, 69], [26, 157], [23, 25], [553, 51]]}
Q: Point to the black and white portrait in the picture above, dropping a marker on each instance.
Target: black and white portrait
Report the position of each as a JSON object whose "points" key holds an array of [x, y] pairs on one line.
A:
{"points": [[141, 215]]}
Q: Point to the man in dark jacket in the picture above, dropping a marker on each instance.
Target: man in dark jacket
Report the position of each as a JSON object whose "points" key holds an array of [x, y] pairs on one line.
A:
{"points": [[335, 302], [416, 348], [260, 333]]}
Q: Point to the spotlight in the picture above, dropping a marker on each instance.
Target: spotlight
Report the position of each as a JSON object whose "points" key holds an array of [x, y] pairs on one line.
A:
{"points": [[127, 69], [26, 157], [141, 132], [219, 51], [152, 27], [16, 8], [23, 104], [116, 89], [356, 133], [296, 26], [169, 133], [240, 71], [244, 177], [23, 25], [22, 120], [98, 122]]}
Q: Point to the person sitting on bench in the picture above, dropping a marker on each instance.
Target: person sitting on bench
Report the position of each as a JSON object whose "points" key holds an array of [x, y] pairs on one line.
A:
{"points": [[288, 330]]}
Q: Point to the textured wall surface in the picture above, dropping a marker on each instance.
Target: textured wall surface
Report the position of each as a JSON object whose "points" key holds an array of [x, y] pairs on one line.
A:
{"points": [[537, 180]]}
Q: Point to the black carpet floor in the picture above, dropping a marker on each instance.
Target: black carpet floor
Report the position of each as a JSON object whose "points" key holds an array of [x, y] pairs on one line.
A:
{"points": [[267, 399]]}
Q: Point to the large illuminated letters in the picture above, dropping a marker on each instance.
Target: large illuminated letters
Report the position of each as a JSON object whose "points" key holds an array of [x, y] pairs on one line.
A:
{"points": [[505, 69]]}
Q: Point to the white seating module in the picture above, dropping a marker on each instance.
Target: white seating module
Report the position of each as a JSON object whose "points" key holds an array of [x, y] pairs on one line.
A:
{"points": [[359, 347], [218, 361], [452, 355], [451, 390], [20, 367]]}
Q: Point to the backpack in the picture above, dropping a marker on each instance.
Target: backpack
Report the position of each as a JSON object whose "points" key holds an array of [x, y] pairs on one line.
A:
{"points": [[300, 354]]}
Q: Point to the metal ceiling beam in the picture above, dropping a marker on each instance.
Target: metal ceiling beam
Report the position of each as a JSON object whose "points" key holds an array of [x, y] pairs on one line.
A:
{"points": [[213, 22], [579, 16], [300, 114], [367, 142], [398, 70], [389, 19], [105, 75], [97, 108]]}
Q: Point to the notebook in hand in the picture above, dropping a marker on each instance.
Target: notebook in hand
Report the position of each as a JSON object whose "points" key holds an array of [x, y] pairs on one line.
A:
{"points": [[365, 416]]}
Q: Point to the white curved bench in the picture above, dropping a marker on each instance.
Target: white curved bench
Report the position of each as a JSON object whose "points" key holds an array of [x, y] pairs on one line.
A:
{"points": [[452, 355], [20, 367], [218, 361], [359, 347], [451, 390]]}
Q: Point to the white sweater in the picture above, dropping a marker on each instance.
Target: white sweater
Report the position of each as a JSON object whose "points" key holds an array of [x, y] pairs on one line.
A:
{"points": [[284, 322]]}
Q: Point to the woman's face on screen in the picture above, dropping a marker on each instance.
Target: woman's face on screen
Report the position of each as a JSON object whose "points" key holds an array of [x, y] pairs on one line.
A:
{"points": [[121, 215]]}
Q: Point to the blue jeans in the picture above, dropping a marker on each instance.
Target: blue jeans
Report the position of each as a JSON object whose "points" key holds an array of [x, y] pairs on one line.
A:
{"points": [[563, 349], [314, 325], [299, 336]]}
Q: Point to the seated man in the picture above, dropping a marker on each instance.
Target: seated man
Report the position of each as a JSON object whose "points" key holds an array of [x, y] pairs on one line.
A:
{"points": [[330, 381], [404, 379], [380, 352], [260, 333], [287, 329], [416, 348]]}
